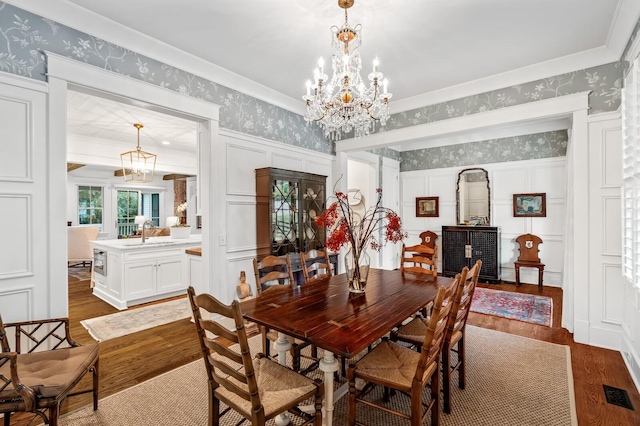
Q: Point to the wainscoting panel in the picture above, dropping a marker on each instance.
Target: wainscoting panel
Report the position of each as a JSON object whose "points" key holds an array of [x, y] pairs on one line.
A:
{"points": [[550, 179], [508, 181], [285, 162], [613, 297], [243, 237], [242, 161], [605, 286], [611, 162], [613, 224], [17, 304], [16, 148], [16, 257]]}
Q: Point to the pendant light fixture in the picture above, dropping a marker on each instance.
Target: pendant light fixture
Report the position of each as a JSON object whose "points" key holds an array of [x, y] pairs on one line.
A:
{"points": [[138, 166]]}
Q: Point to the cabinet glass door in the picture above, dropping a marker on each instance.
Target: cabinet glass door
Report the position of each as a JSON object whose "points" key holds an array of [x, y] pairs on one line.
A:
{"points": [[284, 217], [313, 202]]}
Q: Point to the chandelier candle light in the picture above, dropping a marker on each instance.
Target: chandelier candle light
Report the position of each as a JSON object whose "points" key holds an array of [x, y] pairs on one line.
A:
{"points": [[358, 230], [344, 103]]}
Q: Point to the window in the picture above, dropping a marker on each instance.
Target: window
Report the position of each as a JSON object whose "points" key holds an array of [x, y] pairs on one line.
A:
{"points": [[151, 206], [631, 175], [133, 203], [128, 203], [90, 205]]}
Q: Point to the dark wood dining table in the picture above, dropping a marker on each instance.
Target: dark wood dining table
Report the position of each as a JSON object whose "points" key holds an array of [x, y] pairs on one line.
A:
{"points": [[342, 323]]}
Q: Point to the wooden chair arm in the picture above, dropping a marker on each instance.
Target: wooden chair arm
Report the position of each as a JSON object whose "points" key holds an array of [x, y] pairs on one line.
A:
{"points": [[28, 395], [29, 329]]}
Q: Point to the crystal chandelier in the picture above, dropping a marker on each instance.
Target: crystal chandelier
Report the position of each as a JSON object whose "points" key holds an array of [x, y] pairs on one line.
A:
{"points": [[138, 166], [344, 103]]}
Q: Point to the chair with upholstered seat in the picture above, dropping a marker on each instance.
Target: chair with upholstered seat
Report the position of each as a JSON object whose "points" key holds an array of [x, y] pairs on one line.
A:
{"points": [[315, 265], [42, 368], [78, 248], [397, 367], [261, 389]]}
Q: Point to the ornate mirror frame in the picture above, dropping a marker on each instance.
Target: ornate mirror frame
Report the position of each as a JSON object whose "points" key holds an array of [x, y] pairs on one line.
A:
{"points": [[460, 218]]}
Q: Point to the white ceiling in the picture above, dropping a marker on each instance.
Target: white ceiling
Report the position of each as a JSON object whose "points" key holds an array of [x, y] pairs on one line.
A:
{"points": [[96, 117], [427, 48]]}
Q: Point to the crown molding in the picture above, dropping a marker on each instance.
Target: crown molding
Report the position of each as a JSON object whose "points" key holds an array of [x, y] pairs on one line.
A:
{"points": [[78, 18], [552, 109], [624, 21]]}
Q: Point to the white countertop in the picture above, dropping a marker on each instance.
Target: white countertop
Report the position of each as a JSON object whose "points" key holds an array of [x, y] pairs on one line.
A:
{"points": [[150, 243]]}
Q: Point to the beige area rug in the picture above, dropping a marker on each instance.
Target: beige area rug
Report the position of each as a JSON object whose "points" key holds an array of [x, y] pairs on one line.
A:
{"points": [[137, 319], [511, 380]]}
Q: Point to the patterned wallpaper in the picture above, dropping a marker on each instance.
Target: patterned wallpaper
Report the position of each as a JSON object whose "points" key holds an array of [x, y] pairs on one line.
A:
{"points": [[24, 35], [527, 147]]}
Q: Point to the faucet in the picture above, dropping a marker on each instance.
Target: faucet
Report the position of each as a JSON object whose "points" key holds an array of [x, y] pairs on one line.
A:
{"points": [[144, 226]]}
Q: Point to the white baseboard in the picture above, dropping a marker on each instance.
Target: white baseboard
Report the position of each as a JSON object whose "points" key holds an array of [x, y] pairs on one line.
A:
{"points": [[632, 360]]}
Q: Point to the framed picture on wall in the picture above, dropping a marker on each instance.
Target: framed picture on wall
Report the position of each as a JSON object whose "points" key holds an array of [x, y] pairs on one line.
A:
{"points": [[530, 205], [427, 207]]}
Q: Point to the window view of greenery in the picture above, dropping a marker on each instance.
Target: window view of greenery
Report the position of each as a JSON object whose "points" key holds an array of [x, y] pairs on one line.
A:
{"points": [[90, 205], [134, 203], [128, 204]]}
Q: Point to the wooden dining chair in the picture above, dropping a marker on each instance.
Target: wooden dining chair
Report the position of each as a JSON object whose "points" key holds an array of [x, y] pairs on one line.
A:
{"points": [[274, 274], [272, 270], [414, 331], [262, 388], [419, 259], [455, 337], [315, 265], [428, 238], [397, 367]]}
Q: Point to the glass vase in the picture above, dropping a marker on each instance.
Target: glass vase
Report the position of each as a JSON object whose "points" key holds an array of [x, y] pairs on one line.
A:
{"points": [[357, 263]]}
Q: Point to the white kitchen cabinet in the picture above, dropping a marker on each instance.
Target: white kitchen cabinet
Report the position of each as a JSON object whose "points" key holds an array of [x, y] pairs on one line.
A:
{"points": [[139, 273]]}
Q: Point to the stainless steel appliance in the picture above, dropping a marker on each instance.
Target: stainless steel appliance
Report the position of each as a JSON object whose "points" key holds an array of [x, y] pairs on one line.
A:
{"points": [[100, 262]]}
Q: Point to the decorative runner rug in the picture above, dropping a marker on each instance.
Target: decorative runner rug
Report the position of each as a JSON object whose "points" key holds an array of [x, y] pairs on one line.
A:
{"points": [[137, 319], [518, 306], [511, 380]]}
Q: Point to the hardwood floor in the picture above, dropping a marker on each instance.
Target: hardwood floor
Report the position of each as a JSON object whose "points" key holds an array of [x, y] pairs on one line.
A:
{"points": [[132, 359]]}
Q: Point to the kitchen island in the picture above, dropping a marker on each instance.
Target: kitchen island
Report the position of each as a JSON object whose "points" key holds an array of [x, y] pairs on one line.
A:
{"points": [[132, 272]]}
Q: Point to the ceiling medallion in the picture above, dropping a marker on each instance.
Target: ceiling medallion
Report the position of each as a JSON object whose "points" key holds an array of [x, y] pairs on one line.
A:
{"points": [[344, 104]]}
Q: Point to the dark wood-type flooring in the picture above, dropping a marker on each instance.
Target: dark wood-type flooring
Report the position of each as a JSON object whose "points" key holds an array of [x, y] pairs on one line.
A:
{"points": [[132, 359]]}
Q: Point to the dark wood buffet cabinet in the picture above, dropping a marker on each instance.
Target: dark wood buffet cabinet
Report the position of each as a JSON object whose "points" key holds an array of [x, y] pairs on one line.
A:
{"points": [[463, 245]]}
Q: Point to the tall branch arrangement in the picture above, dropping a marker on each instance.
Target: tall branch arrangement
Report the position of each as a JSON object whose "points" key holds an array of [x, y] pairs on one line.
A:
{"points": [[347, 227]]}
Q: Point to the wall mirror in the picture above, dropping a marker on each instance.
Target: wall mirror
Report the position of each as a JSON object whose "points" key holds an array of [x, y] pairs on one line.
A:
{"points": [[473, 197]]}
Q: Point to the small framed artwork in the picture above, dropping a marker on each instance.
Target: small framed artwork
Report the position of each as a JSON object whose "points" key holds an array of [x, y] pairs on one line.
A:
{"points": [[427, 207], [530, 205]]}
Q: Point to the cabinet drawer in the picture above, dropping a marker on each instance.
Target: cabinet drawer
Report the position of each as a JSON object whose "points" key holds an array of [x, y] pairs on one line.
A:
{"points": [[153, 254]]}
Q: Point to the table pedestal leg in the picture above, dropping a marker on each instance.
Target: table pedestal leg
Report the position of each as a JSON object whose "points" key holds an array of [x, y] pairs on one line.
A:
{"points": [[329, 365], [282, 346]]}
